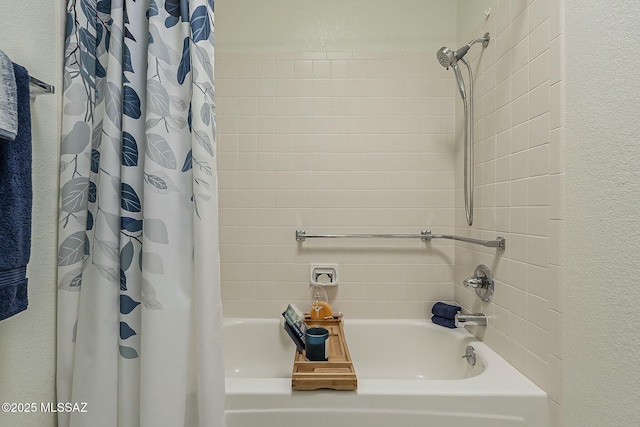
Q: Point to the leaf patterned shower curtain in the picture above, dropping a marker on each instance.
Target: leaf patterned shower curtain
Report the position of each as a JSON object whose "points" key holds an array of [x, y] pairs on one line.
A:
{"points": [[139, 309]]}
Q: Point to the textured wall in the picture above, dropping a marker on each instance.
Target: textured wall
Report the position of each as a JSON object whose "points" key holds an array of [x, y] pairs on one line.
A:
{"points": [[602, 233], [30, 37]]}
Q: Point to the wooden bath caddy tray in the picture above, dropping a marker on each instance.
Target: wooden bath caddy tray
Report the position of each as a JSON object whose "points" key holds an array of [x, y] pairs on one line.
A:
{"points": [[337, 373]]}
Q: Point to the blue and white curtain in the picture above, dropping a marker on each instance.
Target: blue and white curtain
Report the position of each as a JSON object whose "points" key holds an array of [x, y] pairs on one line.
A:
{"points": [[139, 309]]}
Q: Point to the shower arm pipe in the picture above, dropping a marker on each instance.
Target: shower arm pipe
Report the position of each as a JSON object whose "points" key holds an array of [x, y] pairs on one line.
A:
{"points": [[425, 236], [484, 40]]}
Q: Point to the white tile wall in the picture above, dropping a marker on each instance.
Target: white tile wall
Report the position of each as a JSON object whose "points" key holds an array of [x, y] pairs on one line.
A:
{"points": [[520, 132], [335, 142]]}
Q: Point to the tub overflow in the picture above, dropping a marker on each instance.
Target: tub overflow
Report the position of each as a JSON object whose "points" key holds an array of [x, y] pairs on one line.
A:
{"points": [[470, 355]]}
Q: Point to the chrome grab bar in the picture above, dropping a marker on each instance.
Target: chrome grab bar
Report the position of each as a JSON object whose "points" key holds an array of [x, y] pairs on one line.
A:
{"points": [[499, 242], [425, 236], [302, 235]]}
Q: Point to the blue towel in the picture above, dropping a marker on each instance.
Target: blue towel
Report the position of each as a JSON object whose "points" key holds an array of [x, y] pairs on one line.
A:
{"points": [[8, 99], [447, 323], [15, 205], [446, 311]]}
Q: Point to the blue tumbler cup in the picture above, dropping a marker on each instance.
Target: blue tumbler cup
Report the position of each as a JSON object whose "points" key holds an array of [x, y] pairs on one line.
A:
{"points": [[317, 344]]}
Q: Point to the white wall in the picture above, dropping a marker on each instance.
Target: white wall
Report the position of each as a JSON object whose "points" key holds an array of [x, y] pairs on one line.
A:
{"points": [[333, 25], [30, 36], [471, 13], [602, 245]]}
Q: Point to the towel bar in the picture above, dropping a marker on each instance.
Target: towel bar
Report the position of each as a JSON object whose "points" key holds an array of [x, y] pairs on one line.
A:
{"points": [[40, 87]]}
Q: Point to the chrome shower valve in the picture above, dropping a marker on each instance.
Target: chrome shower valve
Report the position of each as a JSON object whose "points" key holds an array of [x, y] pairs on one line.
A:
{"points": [[482, 282]]}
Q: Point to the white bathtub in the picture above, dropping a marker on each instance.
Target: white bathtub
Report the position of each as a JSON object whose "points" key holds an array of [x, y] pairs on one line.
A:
{"points": [[410, 373]]}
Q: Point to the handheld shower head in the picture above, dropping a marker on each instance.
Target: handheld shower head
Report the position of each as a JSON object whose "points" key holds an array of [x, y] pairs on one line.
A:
{"points": [[459, 79], [448, 58], [460, 53]]}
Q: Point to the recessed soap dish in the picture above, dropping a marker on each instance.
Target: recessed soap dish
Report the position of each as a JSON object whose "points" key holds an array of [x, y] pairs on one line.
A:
{"points": [[324, 275]]}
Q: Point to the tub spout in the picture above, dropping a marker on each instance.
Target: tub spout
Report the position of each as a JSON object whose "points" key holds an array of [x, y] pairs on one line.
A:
{"points": [[474, 319]]}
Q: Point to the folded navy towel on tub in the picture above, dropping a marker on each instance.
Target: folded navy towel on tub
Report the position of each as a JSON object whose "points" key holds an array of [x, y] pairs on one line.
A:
{"points": [[447, 323], [446, 311], [15, 205]]}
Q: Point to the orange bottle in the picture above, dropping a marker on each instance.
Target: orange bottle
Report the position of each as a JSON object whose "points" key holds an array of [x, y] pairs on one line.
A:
{"points": [[323, 311]]}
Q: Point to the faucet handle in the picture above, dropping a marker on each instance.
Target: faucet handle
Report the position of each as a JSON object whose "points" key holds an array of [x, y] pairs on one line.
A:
{"points": [[474, 282], [482, 282]]}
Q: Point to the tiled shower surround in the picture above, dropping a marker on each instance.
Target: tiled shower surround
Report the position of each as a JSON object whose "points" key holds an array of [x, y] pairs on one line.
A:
{"points": [[335, 142], [519, 186], [359, 142]]}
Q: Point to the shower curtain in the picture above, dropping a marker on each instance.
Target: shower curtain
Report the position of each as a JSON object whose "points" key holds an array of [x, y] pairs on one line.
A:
{"points": [[139, 312]]}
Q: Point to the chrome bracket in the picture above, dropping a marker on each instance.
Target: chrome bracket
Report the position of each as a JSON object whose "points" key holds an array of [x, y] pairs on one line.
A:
{"points": [[485, 43]]}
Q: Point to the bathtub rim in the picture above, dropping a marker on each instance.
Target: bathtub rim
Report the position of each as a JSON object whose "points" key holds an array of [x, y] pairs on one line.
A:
{"points": [[499, 378]]}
